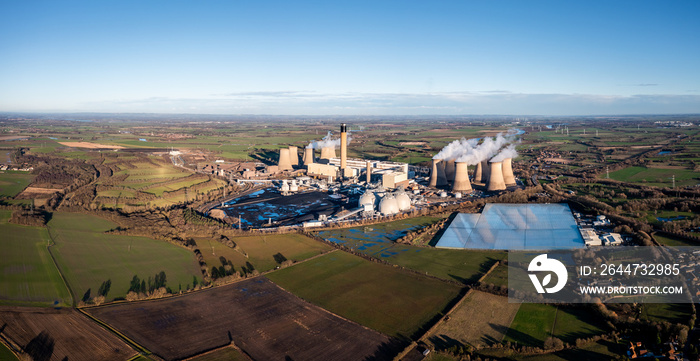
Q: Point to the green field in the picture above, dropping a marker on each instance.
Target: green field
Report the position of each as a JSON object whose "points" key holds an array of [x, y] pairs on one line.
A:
{"points": [[88, 257], [666, 312], [674, 241], [600, 350], [6, 354], [378, 241], [29, 276], [659, 177], [381, 297], [260, 250], [534, 323], [13, 182], [498, 277]]}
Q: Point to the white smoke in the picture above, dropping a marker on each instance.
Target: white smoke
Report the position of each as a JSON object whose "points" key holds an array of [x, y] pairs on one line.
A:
{"points": [[327, 141], [473, 152], [507, 152]]}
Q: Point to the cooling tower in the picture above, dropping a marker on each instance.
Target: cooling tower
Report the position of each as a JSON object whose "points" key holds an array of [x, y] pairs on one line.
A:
{"points": [[343, 146], [496, 182], [508, 176], [369, 172], [441, 178], [450, 170], [294, 155], [461, 180], [433, 173], [308, 156], [485, 171], [328, 152], [477, 173], [285, 163]]}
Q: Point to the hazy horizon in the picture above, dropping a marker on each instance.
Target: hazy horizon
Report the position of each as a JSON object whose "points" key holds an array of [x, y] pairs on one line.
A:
{"points": [[356, 59]]}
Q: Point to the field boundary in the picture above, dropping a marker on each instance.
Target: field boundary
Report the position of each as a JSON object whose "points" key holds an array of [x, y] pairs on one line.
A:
{"points": [[130, 342]]}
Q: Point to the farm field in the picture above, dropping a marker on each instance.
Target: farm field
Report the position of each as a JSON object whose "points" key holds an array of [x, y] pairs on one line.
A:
{"points": [[659, 177], [6, 354], [387, 299], [674, 241], [498, 277], [482, 319], [88, 256], [75, 337], [261, 250], [29, 276], [222, 354], [600, 350], [377, 240], [262, 319], [13, 182], [534, 323], [667, 312]]}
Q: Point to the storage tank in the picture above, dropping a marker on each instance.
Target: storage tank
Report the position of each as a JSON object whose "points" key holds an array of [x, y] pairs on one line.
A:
{"points": [[496, 182], [388, 205], [508, 176], [461, 182], [284, 162], [294, 155], [294, 187], [403, 200], [367, 198], [285, 187]]}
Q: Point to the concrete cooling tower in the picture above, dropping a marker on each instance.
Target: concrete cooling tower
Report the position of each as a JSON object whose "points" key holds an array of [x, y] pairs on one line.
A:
{"points": [[433, 173], [485, 171], [328, 152], [461, 180], [308, 156], [496, 182], [284, 163], [508, 176], [441, 178], [294, 155], [450, 170]]}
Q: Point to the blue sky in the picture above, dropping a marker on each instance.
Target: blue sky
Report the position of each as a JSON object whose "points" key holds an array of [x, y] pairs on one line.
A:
{"points": [[351, 57]]}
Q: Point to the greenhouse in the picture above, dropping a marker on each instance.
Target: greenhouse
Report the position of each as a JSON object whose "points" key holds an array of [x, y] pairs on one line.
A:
{"points": [[514, 227]]}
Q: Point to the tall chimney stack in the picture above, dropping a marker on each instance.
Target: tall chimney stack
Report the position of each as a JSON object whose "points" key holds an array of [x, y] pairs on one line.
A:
{"points": [[308, 156], [461, 180], [450, 170], [496, 182], [284, 163], [294, 155], [343, 146], [441, 178], [369, 172], [508, 176], [433, 173]]}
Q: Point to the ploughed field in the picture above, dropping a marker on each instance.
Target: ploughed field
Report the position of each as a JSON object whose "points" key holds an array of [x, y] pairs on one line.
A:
{"points": [[59, 334], [265, 321]]}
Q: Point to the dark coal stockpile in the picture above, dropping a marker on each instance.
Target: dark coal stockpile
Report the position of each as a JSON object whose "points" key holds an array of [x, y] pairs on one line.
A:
{"points": [[268, 206]]}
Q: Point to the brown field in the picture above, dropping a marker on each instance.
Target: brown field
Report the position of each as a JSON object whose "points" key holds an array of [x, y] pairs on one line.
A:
{"points": [[35, 190], [482, 319], [265, 321], [75, 336], [89, 145], [558, 160]]}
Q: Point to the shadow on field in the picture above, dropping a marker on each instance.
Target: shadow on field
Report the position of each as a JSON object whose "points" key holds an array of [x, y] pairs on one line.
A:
{"points": [[439, 233], [520, 338], [443, 342], [387, 350]]}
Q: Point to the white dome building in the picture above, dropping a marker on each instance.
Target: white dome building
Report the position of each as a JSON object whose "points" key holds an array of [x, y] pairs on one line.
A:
{"points": [[403, 201], [285, 186], [367, 198], [389, 206]]}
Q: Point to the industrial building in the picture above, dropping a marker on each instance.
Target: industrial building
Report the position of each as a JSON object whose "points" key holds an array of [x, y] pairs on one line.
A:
{"points": [[514, 227]]}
